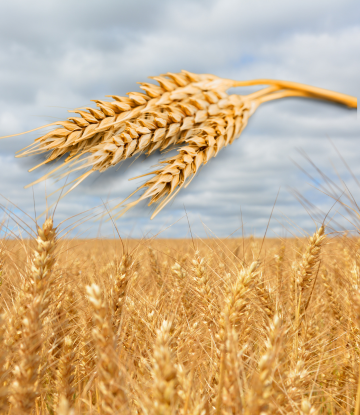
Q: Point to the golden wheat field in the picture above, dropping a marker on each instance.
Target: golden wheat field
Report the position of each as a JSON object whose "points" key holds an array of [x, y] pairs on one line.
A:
{"points": [[199, 326], [213, 326]]}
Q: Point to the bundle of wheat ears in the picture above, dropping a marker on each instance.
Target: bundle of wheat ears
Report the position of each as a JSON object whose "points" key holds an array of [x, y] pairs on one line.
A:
{"points": [[187, 109]]}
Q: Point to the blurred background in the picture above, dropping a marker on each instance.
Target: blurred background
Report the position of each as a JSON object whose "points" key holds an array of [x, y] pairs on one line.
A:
{"points": [[57, 55]]}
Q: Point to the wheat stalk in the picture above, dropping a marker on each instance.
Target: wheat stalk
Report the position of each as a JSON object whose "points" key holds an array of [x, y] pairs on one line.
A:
{"points": [[202, 143], [66, 371], [204, 290], [3, 358], [232, 394], [235, 305], [265, 299], [25, 387], [236, 299], [206, 134], [334, 306], [262, 388], [185, 107], [122, 278], [128, 125], [164, 373], [310, 259], [155, 268], [110, 381]]}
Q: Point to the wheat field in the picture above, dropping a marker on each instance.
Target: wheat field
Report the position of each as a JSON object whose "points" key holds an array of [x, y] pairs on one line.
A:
{"points": [[167, 327], [213, 326]]}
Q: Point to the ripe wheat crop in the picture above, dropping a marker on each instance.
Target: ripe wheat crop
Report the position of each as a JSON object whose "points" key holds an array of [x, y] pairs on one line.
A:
{"points": [[232, 326], [187, 110], [168, 327]]}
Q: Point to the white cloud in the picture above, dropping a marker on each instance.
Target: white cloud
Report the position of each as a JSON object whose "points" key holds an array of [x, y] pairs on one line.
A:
{"points": [[58, 55]]}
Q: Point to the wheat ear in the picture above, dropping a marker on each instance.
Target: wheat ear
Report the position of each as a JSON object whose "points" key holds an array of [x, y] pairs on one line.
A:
{"points": [[259, 401], [334, 306], [123, 274], [119, 129], [236, 301], [310, 259], [307, 267], [203, 141], [110, 381], [264, 296], [164, 373], [205, 291], [25, 387], [155, 267], [157, 119], [205, 133]]}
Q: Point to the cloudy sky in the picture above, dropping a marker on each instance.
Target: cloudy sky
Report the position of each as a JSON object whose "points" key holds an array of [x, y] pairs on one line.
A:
{"points": [[56, 55]]}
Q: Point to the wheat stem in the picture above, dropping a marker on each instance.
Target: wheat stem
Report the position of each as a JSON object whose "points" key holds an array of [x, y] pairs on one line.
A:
{"points": [[324, 93]]}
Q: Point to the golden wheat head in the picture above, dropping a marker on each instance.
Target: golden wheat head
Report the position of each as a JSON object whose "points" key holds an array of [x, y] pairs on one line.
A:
{"points": [[185, 108]]}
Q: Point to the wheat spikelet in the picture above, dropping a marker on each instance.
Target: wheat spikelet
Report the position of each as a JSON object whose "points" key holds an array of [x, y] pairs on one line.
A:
{"points": [[62, 342], [179, 274], [307, 267], [181, 282], [25, 387]]}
